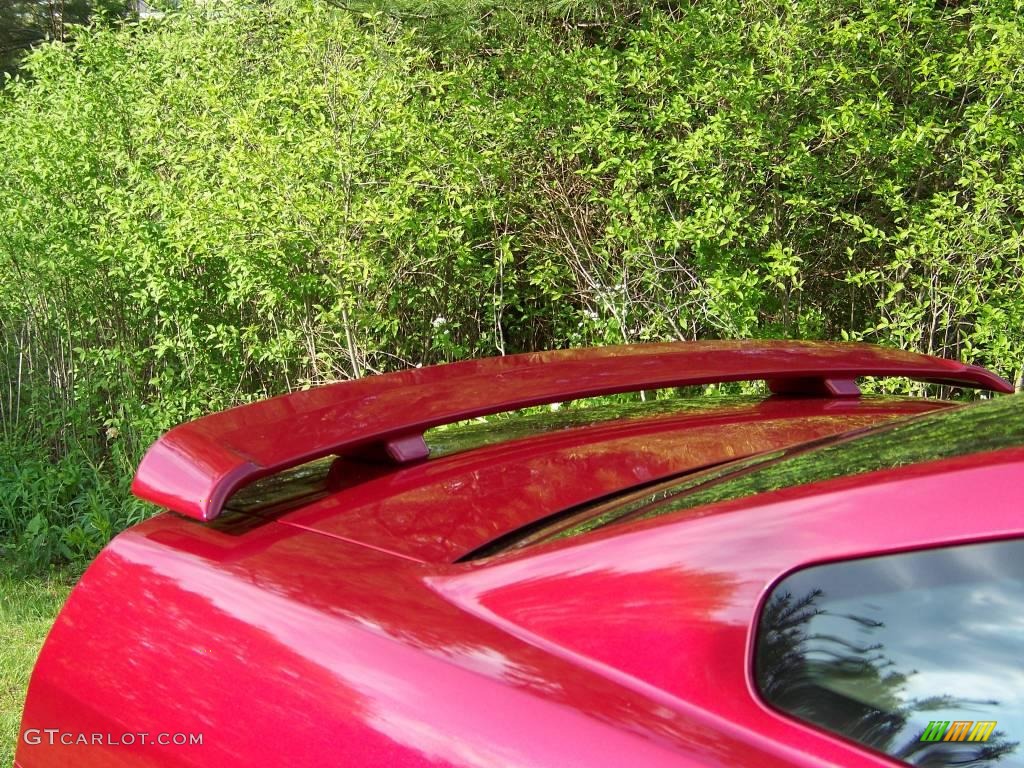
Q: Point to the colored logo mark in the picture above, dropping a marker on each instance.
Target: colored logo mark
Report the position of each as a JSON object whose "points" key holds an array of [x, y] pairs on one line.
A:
{"points": [[958, 730]]}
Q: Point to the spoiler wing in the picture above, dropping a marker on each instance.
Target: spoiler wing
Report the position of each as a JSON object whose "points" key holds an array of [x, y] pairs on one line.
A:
{"points": [[195, 467]]}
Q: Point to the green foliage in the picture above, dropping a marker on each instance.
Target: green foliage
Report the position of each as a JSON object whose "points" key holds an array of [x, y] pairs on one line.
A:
{"points": [[818, 169], [61, 508], [24, 23], [238, 199], [28, 607]]}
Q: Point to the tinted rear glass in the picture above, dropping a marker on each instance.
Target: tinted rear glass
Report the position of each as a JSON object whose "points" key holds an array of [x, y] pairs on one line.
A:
{"points": [[919, 655]]}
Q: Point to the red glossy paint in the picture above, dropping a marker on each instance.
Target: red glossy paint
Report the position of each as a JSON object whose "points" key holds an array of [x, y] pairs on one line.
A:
{"points": [[342, 633], [635, 646], [195, 467], [439, 510]]}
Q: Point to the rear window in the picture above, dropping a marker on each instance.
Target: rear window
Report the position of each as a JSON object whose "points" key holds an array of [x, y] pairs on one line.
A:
{"points": [[919, 655]]}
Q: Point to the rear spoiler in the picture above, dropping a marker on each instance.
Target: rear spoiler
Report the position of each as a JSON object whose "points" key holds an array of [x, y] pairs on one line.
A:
{"points": [[194, 468]]}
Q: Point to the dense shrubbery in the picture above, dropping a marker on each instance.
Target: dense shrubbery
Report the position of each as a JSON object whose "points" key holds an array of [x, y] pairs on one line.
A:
{"points": [[235, 200], [26, 23]]}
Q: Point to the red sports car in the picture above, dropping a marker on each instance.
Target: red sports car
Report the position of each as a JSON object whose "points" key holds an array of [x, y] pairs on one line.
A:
{"points": [[806, 578]]}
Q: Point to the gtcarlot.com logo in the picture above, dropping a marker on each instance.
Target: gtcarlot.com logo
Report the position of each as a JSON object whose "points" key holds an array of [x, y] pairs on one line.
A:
{"points": [[55, 737]]}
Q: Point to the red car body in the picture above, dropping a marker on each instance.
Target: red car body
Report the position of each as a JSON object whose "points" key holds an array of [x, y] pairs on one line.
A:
{"points": [[347, 627]]}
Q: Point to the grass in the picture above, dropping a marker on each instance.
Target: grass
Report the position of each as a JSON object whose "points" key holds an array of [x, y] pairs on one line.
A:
{"points": [[28, 607]]}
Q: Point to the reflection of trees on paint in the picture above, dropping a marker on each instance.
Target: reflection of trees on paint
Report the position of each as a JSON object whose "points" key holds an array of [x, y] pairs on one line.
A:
{"points": [[990, 426], [829, 680]]}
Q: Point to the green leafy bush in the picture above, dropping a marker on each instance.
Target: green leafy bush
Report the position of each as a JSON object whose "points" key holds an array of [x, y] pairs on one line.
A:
{"points": [[240, 199]]}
